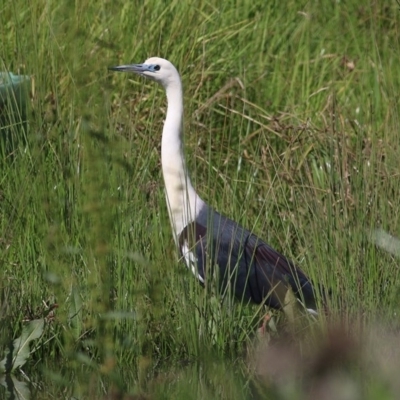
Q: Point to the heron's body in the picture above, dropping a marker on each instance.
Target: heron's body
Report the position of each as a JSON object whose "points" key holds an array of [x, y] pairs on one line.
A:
{"points": [[254, 270], [206, 239]]}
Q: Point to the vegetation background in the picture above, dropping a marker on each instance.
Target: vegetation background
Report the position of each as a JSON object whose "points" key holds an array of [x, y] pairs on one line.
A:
{"points": [[291, 127]]}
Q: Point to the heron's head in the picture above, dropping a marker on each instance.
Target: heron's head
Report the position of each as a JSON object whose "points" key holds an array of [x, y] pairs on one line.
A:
{"points": [[155, 68]]}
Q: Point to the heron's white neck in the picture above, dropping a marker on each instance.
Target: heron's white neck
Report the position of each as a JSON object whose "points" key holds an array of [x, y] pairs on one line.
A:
{"points": [[182, 201]]}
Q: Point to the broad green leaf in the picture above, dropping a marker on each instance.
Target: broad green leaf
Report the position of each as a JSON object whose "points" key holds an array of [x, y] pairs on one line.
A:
{"points": [[17, 354], [75, 315], [15, 389]]}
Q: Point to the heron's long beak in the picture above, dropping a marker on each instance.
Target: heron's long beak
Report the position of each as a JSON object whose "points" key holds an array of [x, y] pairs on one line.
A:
{"points": [[138, 68]]}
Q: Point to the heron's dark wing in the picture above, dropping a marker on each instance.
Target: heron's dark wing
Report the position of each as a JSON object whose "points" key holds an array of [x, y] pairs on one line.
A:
{"points": [[254, 270], [272, 272]]}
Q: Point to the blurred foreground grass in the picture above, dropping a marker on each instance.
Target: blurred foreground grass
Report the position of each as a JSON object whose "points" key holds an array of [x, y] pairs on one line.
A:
{"points": [[292, 128]]}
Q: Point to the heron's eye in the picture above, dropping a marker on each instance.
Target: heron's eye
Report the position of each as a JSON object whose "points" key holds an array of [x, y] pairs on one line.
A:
{"points": [[157, 68]]}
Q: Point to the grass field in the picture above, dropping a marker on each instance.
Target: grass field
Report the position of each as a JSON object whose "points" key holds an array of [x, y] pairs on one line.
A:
{"points": [[291, 128]]}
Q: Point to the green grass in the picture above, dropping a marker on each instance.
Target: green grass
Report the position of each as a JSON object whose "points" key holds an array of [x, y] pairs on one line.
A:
{"points": [[291, 127]]}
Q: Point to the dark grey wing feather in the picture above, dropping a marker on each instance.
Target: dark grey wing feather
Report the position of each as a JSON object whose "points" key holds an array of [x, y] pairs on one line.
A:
{"points": [[273, 271]]}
